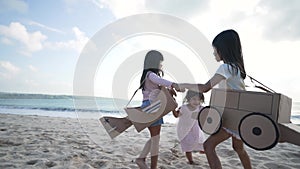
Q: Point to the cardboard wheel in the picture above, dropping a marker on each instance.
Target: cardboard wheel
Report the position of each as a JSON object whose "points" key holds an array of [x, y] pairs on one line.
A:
{"points": [[209, 120], [258, 131]]}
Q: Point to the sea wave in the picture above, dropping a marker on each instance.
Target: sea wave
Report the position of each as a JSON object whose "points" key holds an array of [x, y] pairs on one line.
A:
{"points": [[60, 109]]}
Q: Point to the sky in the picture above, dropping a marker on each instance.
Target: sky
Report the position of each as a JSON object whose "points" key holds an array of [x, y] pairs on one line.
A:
{"points": [[41, 41]]}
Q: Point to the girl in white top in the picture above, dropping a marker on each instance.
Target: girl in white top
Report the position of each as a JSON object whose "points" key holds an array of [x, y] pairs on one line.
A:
{"points": [[189, 133], [230, 75]]}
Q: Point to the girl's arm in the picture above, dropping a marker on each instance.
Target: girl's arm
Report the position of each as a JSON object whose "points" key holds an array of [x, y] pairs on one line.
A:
{"points": [[163, 82], [203, 87]]}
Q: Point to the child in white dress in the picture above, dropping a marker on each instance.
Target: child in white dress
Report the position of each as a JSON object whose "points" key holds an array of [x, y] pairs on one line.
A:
{"points": [[189, 133]]}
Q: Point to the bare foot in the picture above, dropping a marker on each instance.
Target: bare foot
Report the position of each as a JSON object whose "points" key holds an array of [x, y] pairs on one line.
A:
{"points": [[141, 163]]}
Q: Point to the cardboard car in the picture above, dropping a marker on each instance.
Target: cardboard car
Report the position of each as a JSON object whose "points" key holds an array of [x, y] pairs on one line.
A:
{"points": [[261, 119]]}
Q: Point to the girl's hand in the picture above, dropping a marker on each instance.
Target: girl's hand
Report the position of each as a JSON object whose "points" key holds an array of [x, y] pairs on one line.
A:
{"points": [[172, 92], [177, 87], [176, 112], [181, 89]]}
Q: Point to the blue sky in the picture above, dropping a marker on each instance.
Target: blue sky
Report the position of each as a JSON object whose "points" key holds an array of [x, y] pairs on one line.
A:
{"points": [[40, 41]]}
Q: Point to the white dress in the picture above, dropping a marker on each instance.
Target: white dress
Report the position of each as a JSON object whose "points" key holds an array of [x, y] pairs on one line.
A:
{"points": [[189, 133], [232, 81]]}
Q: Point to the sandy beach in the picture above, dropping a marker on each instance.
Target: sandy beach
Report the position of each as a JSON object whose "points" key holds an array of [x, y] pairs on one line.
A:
{"points": [[49, 142]]}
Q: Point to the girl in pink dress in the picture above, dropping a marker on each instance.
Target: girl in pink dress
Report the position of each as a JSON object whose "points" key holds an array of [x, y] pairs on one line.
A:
{"points": [[151, 81], [189, 133]]}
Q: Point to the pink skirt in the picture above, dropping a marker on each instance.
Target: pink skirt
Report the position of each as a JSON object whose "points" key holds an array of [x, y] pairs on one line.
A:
{"points": [[193, 141]]}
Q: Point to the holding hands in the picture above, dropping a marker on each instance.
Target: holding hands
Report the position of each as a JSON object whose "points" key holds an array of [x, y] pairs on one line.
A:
{"points": [[178, 87]]}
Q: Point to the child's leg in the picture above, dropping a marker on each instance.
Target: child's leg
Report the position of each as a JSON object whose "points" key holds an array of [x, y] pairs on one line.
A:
{"points": [[189, 157], [238, 146], [155, 137], [210, 145], [145, 150], [141, 160], [154, 151]]}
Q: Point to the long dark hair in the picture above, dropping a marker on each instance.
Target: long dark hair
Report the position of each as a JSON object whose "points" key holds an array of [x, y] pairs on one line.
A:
{"points": [[229, 48], [151, 63]]}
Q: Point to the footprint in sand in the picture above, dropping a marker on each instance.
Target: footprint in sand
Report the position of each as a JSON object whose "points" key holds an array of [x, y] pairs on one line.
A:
{"points": [[50, 164], [31, 162]]}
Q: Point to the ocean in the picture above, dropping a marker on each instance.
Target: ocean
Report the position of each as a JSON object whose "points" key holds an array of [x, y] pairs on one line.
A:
{"points": [[80, 107], [66, 106]]}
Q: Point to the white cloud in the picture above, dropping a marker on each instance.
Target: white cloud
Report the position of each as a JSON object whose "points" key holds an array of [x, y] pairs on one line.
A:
{"points": [[32, 68], [277, 19], [178, 8], [261, 24], [9, 67], [99, 4], [8, 70], [70, 4], [175, 7], [227, 8], [31, 80], [80, 40], [6, 41], [36, 41], [45, 27], [122, 8], [13, 5], [31, 83], [31, 42], [281, 19]]}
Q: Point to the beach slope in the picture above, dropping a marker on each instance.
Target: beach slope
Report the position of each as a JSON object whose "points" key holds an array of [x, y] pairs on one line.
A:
{"points": [[49, 142]]}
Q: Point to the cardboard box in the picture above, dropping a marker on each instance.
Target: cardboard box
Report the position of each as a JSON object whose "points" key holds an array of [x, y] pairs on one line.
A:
{"points": [[234, 105]]}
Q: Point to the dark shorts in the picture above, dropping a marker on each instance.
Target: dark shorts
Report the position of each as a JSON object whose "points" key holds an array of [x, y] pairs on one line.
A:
{"points": [[159, 121]]}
